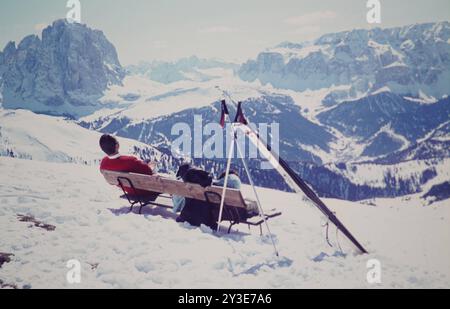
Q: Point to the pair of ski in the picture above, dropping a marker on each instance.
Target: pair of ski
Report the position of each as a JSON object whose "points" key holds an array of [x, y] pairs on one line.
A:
{"points": [[292, 179]]}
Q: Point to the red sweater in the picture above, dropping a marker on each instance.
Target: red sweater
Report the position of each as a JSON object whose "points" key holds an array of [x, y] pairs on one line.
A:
{"points": [[128, 164]]}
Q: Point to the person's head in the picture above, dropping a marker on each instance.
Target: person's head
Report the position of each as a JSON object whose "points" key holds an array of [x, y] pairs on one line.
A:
{"points": [[109, 144], [183, 170], [232, 172]]}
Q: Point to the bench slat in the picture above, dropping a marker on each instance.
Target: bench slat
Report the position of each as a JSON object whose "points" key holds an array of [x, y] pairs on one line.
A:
{"points": [[161, 184]]}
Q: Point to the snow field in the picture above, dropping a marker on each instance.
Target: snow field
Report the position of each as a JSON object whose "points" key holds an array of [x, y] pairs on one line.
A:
{"points": [[120, 250]]}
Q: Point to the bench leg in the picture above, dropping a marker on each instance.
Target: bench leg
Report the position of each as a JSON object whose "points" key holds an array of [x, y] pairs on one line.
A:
{"points": [[131, 207], [231, 225], [142, 205], [140, 209]]}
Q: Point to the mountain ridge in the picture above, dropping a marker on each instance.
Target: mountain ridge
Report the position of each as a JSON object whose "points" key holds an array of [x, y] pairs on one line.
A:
{"points": [[65, 72], [408, 60]]}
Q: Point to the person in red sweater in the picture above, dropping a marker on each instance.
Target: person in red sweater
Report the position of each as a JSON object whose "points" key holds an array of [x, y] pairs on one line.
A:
{"points": [[120, 163]]}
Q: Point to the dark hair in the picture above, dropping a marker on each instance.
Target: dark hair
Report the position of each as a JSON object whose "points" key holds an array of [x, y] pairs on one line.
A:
{"points": [[183, 170], [108, 144], [232, 172]]}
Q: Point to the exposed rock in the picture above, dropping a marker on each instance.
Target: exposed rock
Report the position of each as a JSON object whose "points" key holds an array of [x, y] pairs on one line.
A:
{"points": [[65, 73], [5, 258], [39, 224]]}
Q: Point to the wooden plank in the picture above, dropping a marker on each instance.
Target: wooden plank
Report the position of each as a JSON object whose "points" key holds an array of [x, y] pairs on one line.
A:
{"points": [[174, 187], [233, 197]]}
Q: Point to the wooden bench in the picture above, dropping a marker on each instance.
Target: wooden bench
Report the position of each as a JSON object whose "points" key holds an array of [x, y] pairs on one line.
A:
{"points": [[235, 203]]}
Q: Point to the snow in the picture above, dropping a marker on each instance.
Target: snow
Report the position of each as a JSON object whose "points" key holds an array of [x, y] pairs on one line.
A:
{"points": [[381, 49], [153, 251], [381, 90], [156, 99], [216, 72], [431, 135], [374, 174], [305, 51], [396, 64], [184, 69], [407, 45], [47, 138], [173, 102], [133, 84], [312, 99], [104, 112], [422, 98], [1, 95], [389, 131]]}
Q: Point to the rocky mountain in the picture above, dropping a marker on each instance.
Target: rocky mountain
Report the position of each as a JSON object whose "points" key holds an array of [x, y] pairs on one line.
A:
{"points": [[434, 145], [411, 61], [191, 69], [64, 72], [387, 122]]}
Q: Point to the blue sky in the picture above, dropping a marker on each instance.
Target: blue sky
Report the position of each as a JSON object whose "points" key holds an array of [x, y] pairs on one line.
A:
{"points": [[232, 30]]}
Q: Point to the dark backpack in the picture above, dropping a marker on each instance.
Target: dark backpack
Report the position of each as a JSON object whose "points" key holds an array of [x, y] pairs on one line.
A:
{"points": [[198, 212], [198, 176]]}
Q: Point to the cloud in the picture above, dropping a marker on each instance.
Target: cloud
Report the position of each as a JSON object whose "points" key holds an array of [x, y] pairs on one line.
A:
{"points": [[217, 29], [314, 18]]}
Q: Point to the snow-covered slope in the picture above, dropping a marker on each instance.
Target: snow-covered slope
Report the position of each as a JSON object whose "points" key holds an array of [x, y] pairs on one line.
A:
{"points": [[24, 134], [414, 173], [120, 250], [140, 98]]}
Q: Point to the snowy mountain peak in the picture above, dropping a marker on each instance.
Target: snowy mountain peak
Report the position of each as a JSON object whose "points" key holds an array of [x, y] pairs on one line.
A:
{"points": [[65, 72], [191, 68], [411, 61], [412, 32]]}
